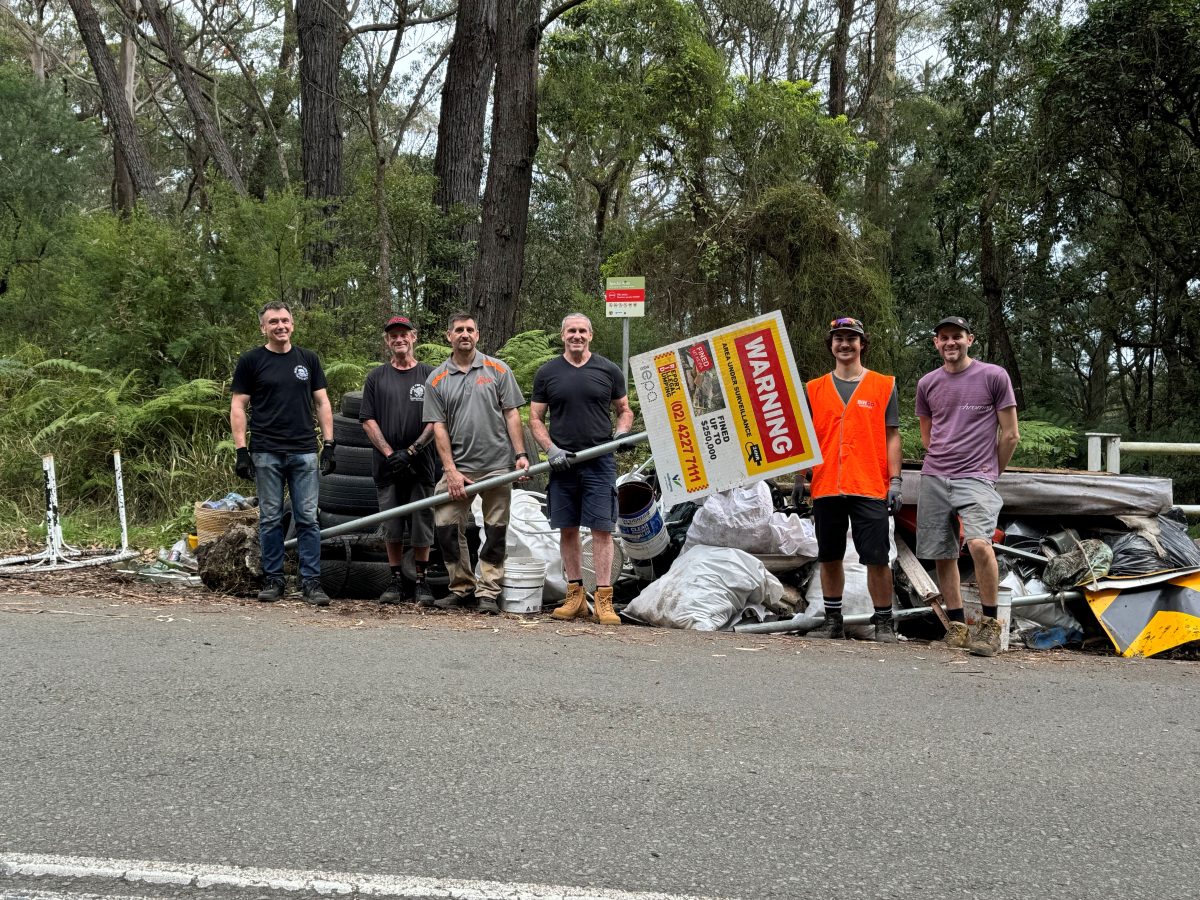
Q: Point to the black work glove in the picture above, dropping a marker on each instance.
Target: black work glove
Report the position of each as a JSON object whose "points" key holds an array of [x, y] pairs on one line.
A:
{"points": [[895, 497], [560, 460], [245, 464], [328, 463], [399, 462], [623, 434]]}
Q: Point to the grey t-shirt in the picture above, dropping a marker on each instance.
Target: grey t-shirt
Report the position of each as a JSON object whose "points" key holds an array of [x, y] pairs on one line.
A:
{"points": [[471, 404], [891, 415]]}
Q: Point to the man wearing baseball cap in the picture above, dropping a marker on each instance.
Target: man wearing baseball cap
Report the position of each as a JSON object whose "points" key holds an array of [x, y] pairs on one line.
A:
{"points": [[392, 415], [968, 416], [856, 417]]}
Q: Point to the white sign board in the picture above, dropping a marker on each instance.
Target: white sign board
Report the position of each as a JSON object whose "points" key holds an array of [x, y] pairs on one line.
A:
{"points": [[625, 298], [725, 408]]}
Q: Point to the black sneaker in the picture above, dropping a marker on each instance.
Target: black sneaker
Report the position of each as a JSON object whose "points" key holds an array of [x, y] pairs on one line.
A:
{"points": [[834, 626], [272, 590], [314, 593], [885, 627], [394, 592], [490, 605], [454, 601], [424, 595]]}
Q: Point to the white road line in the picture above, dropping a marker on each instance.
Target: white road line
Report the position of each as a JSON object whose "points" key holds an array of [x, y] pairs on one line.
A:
{"points": [[327, 883]]}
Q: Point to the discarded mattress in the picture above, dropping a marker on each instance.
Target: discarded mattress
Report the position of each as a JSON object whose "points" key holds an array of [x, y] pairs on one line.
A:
{"points": [[1072, 493]]}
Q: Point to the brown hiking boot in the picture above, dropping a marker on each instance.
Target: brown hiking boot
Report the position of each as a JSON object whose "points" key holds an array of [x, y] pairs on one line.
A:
{"points": [[604, 608], [957, 636], [986, 639], [575, 606]]}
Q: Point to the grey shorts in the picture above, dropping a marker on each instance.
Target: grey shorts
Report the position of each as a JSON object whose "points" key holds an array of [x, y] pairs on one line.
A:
{"points": [[973, 500], [420, 523]]}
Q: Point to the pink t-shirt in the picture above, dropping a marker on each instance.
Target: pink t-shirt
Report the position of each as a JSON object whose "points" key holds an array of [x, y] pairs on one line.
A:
{"points": [[962, 407]]}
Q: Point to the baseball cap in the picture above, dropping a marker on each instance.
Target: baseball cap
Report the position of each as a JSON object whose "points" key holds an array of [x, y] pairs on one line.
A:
{"points": [[846, 323], [957, 321], [399, 322]]}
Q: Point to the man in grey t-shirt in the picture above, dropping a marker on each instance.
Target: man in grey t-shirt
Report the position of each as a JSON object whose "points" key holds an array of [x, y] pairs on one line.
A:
{"points": [[968, 417], [472, 399]]}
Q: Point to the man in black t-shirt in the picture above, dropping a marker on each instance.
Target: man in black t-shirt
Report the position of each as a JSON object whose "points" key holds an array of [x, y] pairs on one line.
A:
{"points": [[282, 385], [578, 389], [392, 406]]}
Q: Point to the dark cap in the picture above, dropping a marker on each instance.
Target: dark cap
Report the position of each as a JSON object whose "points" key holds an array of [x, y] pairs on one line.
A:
{"points": [[399, 322], [956, 321], [846, 323]]}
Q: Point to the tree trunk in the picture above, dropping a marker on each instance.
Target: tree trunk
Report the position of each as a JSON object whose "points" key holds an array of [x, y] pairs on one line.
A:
{"points": [[458, 160], [137, 163], [283, 92], [880, 100], [500, 265], [124, 198], [837, 59], [186, 79], [991, 274], [319, 26]]}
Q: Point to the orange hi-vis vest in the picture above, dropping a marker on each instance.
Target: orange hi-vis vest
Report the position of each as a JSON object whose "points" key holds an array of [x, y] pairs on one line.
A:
{"points": [[852, 436]]}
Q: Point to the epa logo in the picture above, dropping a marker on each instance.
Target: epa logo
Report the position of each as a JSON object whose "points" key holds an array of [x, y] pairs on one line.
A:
{"points": [[301, 372]]}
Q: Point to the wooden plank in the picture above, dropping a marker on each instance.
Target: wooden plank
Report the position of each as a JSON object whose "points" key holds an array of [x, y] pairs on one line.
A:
{"points": [[922, 583]]}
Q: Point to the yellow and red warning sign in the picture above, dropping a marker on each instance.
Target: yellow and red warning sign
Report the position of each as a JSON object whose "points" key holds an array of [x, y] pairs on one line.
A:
{"points": [[725, 408]]}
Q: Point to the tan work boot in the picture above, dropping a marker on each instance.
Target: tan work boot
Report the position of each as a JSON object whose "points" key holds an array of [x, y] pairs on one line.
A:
{"points": [[604, 610], [574, 606], [957, 636], [986, 639]]}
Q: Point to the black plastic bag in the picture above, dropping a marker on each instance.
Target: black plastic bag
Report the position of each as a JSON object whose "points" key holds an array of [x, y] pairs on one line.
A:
{"points": [[1134, 554]]}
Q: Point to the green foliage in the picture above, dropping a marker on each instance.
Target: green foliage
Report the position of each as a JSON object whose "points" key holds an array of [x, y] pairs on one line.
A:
{"points": [[1043, 445], [525, 353]]}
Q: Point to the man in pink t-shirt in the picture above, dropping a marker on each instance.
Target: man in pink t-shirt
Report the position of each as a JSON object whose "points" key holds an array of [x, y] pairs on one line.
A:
{"points": [[968, 416]]}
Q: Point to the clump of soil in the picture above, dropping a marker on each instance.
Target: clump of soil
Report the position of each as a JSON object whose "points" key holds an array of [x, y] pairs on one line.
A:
{"points": [[232, 564]]}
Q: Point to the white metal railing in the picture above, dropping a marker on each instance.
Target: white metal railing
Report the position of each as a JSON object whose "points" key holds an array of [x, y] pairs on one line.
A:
{"points": [[1104, 455]]}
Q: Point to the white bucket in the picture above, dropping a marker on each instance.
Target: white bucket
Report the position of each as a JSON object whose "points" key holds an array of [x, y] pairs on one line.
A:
{"points": [[640, 521], [524, 580], [973, 609]]}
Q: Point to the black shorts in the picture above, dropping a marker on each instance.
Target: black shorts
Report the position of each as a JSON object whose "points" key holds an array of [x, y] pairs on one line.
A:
{"points": [[584, 495], [868, 521]]}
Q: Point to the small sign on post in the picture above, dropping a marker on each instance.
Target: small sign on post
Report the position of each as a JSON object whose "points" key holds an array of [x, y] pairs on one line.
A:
{"points": [[625, 298]]}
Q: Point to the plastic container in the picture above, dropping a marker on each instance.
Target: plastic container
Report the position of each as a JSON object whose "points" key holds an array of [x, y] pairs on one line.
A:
{"points": [[524, 580], [639, 521], [973, 610]]}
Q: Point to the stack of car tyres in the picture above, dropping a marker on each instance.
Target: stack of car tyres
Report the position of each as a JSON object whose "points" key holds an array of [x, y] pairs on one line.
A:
{"points": [[356, 565]]}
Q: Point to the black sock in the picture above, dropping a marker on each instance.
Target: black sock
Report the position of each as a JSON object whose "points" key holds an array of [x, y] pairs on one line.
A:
{"points": [[397, 571], [421, 565], [885, 611], [833, 604], [989, 611], [578, 581], [956, 615]]}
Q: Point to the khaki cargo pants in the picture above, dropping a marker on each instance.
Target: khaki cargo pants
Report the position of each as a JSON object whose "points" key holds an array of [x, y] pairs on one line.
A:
{"points": [[451, 521]]}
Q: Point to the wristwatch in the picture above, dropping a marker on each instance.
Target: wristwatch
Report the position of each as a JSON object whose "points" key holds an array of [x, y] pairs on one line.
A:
{"points": [[523, 454]]}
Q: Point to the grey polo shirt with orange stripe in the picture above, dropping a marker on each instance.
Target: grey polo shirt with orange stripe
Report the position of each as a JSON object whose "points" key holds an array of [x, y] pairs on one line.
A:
{"points": [[471, 404]]}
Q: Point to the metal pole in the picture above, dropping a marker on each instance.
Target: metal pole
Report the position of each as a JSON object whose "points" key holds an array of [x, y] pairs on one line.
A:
{"points": [[803, 623], [625, 352], [121, 500], [475, 488]]}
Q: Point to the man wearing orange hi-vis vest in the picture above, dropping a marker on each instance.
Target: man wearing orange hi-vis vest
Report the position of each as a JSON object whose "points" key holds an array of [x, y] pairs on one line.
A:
{"points": [[856, 417]]}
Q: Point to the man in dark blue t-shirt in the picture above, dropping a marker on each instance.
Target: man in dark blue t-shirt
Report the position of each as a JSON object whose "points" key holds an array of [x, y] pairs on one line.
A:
{"points": [[578, 389], [282, 385]]}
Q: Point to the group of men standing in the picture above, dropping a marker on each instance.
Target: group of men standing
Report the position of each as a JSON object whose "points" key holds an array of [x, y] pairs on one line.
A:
{"points": [[467, 411]]}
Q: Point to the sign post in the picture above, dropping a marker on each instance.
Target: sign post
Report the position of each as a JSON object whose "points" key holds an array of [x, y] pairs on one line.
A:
{"points": [[625, 298]]}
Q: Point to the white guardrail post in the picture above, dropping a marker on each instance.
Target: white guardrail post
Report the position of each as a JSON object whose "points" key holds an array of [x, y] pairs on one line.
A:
{"points": [[1105, 447]]}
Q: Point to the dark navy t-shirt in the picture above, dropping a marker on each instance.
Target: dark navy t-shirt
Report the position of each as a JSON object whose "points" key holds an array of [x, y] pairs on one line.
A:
{"points": [[280, 386], [579, 399]]}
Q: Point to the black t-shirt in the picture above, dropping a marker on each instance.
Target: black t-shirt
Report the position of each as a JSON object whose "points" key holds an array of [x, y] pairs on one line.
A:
{"points": [[579, 399], [395, 399], [280, 386]]}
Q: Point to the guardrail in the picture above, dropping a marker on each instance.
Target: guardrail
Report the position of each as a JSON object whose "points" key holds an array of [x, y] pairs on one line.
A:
{"points": [[1104, 451]]}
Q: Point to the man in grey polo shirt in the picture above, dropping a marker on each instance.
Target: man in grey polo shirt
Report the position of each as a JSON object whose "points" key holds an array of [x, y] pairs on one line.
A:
{"points": [[472, 399]]}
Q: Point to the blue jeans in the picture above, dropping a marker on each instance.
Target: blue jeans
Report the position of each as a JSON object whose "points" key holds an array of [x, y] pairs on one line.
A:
{"points": [[299, 471]]}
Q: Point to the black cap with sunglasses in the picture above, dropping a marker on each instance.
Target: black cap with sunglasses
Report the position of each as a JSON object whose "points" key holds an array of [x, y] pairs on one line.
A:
{"points": [[845, 323]]}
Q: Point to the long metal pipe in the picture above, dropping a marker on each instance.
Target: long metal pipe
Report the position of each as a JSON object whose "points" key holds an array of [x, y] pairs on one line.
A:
{"points": [[803, 624], [475, 488]]}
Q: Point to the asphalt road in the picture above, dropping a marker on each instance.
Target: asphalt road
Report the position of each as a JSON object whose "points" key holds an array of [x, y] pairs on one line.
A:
{"points": [[461, 747]]}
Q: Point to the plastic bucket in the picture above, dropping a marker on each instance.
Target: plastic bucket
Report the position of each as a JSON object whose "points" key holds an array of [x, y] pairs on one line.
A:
{"points": [[524, 579], [639, 521], [973, 609]]}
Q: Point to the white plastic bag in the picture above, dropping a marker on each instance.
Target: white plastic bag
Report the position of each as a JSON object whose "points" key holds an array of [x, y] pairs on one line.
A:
{"points": [[739, 517], [793, 536], [705, 589]]}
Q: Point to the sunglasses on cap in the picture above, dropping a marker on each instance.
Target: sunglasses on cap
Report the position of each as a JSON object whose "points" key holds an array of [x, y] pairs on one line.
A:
{"points": [[847, 323]]}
